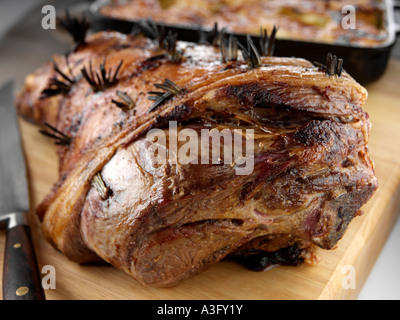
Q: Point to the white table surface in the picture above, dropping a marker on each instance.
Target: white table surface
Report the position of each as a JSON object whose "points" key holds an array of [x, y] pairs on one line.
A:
{"points": [[383, 282]]}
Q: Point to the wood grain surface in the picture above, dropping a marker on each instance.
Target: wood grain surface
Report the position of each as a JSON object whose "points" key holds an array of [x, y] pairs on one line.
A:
{"points": [[359, 247]]}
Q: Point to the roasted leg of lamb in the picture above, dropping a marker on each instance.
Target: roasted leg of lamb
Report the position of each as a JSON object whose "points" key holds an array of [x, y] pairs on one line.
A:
{"points": [[165, 221]]}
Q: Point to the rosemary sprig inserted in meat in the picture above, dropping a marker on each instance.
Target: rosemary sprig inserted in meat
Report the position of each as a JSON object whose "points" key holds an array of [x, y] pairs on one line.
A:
{"points": [[127, 102], [170, 90], [77, 28], [102, 80], [57, 86], [267, 43], [61, 138], [150, 30], [210, 38], [170, 45], [251, 54], [100, 186], [334, 66], [215, 35], [229, 48]]}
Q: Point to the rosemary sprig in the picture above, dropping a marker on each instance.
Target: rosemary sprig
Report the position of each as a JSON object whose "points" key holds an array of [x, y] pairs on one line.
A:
{"points": [[102, 80], [229, 47], [164, 42], [215, 35], [334, 66], [150, 30], [267, 43], [136, 30], [170, 90], [251, 54], [170, 42], [61, 138], [127, 102], [58, 86], [100, 186], [77, 28], [210, 38], [203, 38]]}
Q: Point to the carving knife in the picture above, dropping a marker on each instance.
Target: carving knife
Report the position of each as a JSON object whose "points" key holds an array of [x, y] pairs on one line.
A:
{"points": [[21, 277]]}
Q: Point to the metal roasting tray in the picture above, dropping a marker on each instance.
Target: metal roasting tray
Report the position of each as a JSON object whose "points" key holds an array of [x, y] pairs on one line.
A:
{"points": [[364, 64]]}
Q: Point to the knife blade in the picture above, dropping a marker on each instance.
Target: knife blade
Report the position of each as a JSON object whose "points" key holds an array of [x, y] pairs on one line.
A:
{"points": [[21, 278]]}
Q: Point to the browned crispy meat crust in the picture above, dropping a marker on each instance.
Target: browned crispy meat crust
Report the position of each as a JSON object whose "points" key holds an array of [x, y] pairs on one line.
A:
{"points": [[163, 223]]}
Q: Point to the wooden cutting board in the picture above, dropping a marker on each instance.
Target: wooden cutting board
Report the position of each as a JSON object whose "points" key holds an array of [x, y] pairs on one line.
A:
{"points": [[359, 247]]}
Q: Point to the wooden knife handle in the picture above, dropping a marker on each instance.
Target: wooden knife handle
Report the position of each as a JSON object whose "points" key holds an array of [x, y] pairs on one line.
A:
{"points": [[21, 277]]}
